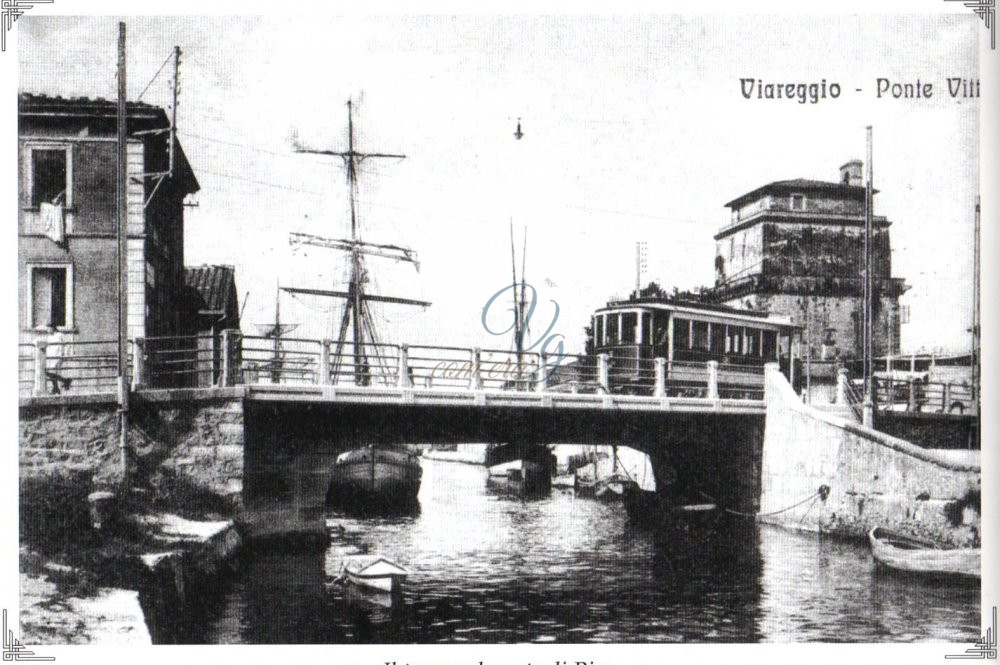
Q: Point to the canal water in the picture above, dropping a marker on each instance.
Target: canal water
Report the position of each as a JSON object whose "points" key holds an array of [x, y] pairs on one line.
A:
{"points": [[487, 567]]}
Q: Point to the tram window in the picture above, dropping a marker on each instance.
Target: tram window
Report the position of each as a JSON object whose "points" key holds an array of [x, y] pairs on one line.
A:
{"points": [[735, 341], [599, 331], [700, 336], [682, 336], [629, 320], [612, 329], [750, 346], [770, 344], [646, 318], [718, 338]]}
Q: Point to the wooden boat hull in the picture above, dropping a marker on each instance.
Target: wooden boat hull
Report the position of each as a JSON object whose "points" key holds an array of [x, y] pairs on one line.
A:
{"points": [[387, 584], [392, 478], [374, 573], [520, 477], [646, 508], [912, 556]]}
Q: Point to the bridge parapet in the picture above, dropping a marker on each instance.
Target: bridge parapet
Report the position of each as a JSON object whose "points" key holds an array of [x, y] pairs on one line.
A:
{"points": [[234, 359]]}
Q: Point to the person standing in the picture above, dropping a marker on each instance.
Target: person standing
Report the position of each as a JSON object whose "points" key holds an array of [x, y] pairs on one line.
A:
{"points": [[57, 348]]}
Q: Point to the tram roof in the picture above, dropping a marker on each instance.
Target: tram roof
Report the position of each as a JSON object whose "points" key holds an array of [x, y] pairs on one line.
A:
{"points": [[703, 310]]}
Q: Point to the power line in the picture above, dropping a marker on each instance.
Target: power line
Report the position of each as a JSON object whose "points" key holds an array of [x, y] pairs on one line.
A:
{"points": [[260, 182], [625, 213], [233, 143], [139, 98]]}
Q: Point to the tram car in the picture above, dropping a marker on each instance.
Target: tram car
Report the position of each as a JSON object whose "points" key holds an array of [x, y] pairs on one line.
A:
{"points": [[634, 332]]}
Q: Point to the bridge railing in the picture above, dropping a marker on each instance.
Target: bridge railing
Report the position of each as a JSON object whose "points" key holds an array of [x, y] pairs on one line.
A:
{"points": [[231, 359], [178, 361], [915, 395]]}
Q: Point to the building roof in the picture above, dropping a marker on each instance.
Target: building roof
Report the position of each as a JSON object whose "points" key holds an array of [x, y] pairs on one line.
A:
{"points": [[141, 117], [31, 103], [801, 185], [690, 306], [216, 285]]}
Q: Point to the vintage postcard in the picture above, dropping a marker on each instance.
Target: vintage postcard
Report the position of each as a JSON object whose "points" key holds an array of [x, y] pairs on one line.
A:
{"points": [[564, 337]]}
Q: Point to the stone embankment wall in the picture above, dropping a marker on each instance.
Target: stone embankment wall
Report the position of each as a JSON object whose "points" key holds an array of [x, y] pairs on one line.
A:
{"points": [[187, 453], [874, 479]]}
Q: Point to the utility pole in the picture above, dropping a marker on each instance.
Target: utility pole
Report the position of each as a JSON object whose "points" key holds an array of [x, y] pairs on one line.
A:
{"points": [[809, 350], [173, 110], [975, 314], [868, 416], [640, 265], [121, 201]]}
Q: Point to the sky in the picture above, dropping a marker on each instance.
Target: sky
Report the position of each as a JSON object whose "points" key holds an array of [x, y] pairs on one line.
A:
{"points": [[634, 130]]}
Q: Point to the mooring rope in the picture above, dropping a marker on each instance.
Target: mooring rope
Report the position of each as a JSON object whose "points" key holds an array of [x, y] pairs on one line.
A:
{"points": [[821, 493]]}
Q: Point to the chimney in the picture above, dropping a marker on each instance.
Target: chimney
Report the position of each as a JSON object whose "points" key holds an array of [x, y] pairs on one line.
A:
{"points": [[851, 173]]}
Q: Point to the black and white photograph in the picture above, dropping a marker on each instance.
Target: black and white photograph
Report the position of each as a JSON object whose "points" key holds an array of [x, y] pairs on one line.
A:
{"points": [[558, 330]]}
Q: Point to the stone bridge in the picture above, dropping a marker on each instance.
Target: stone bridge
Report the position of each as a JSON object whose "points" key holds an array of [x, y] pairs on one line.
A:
{"points": [[267, 452]]}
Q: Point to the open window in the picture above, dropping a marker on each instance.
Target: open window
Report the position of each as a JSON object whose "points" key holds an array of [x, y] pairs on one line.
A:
{"points": [[798, 202], [50, 176], [629, 321], [51, 296]]}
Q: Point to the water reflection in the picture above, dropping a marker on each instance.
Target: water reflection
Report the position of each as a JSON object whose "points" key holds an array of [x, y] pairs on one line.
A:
{"points": [[495, 568]]}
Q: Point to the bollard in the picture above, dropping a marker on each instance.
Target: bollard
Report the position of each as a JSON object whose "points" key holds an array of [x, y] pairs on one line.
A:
{"points": [[713, 379], [404, 380], [475, 377], [324, 363], [602, 372], [542, 380], [660, 388], [138, 362], [41, 360], [842, 387], [911, 402]]}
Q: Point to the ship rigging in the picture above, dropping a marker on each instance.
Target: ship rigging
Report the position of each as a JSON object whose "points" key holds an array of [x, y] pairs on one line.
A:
{"points": [[357, 327]]}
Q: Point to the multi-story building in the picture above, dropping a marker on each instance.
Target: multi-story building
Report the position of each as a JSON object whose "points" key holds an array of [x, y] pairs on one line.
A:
{"points": [[67, 240], [796, 248]]}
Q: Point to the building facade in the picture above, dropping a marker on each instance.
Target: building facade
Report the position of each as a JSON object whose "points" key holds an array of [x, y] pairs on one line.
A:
{"points": [[796, 248], [67, 228], [212, 307]]}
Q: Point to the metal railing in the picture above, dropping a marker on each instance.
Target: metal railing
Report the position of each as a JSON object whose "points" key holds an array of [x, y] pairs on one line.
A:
{"points": [[232, 359], [67, 367], [918, 396]]}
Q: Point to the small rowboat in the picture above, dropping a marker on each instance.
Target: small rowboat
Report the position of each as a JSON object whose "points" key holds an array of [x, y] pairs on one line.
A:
{"points": [[915, 555], [374, 572]]}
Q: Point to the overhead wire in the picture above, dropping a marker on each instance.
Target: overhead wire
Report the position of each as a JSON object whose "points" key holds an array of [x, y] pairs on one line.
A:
{"points": [[139, 98]]}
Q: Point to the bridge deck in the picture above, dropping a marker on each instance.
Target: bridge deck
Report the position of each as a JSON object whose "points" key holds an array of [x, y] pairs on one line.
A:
{"points": [[443, 397]]}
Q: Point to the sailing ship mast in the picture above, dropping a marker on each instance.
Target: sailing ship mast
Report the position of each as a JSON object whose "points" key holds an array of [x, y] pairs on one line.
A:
{"points": [[520, 300], [357, 315], [276, 330]]}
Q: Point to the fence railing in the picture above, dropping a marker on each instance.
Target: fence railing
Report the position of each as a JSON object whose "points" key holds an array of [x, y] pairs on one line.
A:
{"points": [[68, 367], [919, 396], [231, 359]]}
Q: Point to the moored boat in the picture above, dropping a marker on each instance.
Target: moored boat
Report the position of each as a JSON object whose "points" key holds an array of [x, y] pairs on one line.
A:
{"points": [[375, 477], [374, 572], [915, 555], [521, 476]]}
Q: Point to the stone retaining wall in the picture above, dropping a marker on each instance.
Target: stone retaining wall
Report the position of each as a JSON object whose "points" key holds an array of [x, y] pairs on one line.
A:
{"points": [[186, 449], [874, 479]]}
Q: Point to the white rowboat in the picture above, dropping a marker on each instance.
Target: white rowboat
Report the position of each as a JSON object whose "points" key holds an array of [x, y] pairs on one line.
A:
{"points": [[374, 572], [917, 556]]}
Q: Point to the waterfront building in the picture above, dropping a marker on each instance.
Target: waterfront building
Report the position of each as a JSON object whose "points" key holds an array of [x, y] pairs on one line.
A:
{"points": [[795, 248], [67, 241], [212, 306]]}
